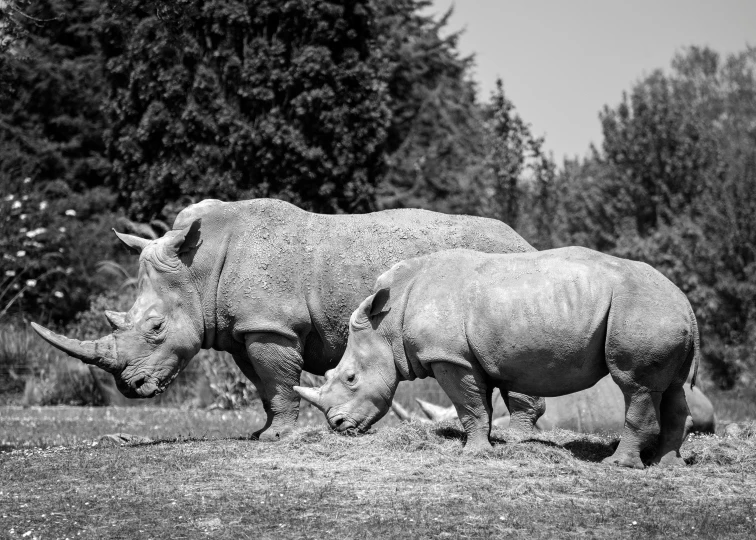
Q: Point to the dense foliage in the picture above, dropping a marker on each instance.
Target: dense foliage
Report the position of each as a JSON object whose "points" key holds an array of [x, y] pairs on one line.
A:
{"points": [[54, 209], [247, 99]]}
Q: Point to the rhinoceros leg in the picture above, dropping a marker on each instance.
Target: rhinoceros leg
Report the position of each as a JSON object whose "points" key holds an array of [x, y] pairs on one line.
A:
{"points": [[675, 424], [277, 361], [641, 426], [471, 396], [524, 410]]}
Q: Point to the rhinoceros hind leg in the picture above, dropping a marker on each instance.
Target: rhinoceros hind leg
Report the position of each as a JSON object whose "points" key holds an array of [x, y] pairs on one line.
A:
{"points": [[471, 396], [675, 424], [524, 410], [278, 364], [641, 427]]}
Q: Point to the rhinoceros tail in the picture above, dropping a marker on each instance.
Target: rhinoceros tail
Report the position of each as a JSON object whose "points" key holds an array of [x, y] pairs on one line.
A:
{"points": [[696, 349]]}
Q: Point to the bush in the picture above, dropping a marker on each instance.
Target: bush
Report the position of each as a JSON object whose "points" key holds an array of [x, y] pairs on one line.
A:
{"points": [[51, 240]]}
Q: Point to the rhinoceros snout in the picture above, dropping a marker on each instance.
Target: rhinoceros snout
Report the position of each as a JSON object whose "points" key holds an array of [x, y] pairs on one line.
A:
{"points": [[341, 423]]}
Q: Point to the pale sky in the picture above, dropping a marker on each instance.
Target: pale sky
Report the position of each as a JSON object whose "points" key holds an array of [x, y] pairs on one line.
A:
{"points": [[562, 61]]}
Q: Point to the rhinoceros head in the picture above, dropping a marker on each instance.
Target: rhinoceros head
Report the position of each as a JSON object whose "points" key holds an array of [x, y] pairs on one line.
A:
{"points": [[162, 331], [359, 391]]}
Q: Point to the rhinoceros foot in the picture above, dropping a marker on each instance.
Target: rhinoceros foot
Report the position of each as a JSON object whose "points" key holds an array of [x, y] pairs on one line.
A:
{"points": [[522, 424], [670, 459], [477, 447], [624, 460], [273, 433]]}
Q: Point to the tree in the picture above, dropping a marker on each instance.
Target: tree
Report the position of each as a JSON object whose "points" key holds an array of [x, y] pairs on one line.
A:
{"points": [[263, 99], [675, 186], [516, 180], [52, 162], [435, 136]]}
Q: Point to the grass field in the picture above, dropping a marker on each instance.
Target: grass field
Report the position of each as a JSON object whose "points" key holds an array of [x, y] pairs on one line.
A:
{"points": [[202, 479]]}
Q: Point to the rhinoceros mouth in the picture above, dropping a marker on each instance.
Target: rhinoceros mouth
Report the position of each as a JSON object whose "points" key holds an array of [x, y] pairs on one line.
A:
{"points": [[344, 424], [148, 387]]}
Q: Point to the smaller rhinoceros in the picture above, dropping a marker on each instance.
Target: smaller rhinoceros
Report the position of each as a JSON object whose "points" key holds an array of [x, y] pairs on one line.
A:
{"points": [[546, 323]]}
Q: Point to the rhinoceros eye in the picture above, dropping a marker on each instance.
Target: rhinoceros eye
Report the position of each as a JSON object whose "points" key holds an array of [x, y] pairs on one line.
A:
{"points": [[156, 324], [350, 378]]}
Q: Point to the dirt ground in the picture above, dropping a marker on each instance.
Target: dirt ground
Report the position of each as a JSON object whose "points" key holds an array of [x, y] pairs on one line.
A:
{"points": [[201, 478]]}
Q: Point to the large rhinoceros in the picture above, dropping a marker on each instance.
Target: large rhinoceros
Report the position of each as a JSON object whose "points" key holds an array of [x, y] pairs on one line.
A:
{"points": [[269, 283], [599, 409], [547, 323]]}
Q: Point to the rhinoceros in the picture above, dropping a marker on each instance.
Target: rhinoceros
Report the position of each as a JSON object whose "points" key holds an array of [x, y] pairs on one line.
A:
{"points": [[545, 323], [599, 409], [271, 284]]}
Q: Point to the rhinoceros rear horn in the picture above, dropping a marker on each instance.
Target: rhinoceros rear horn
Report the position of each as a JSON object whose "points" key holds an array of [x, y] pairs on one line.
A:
{"points": [[118, 320], [312, 395], [101, 353]]}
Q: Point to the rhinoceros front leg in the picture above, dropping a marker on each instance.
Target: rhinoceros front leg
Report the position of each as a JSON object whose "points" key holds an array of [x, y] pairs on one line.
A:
{"points": [[524, 410], [277, 362], [471, 396]]}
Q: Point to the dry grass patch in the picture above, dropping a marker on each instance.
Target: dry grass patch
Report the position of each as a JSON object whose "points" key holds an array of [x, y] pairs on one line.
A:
{"points": [[404, 481]]}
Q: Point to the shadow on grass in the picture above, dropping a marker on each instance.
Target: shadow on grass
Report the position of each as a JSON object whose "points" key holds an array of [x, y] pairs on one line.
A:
{"points": [[582, 449], [595, 451], [451, 433]]}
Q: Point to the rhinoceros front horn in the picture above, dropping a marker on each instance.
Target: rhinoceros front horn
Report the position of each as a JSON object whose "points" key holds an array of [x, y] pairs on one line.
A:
{"points": [[312, 395], [101, 353], [437, 413]]}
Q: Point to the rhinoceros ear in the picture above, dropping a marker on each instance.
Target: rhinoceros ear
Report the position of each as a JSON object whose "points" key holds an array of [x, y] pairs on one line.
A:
{"points": [[378, 305], [183, 240], [372, 306], [131, 241]]}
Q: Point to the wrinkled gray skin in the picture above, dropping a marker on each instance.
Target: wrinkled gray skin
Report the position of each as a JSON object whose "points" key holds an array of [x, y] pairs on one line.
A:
{"points": [[599, 409], [547, 323], [271, 284]]}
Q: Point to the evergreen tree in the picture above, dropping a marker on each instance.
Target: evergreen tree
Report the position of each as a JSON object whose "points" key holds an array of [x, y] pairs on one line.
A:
{"points": [[436, 132], [246, 99]]}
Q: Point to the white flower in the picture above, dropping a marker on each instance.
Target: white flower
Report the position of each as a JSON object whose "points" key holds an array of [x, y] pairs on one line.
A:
{"points": [[62, 229], [21, 253], [31, 282], [71, 212], [43, 205], [10, 273], [25, 198], [22, 216], [69, 270], [16, 205], [22, 230], [36, 232], [10, 197], [27, 180], [58, 294]]}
